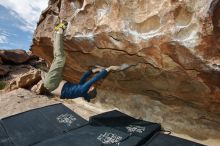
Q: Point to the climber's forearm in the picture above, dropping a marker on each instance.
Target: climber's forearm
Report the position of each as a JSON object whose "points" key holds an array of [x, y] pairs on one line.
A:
{"points": [[85, 76], [96, 78]]}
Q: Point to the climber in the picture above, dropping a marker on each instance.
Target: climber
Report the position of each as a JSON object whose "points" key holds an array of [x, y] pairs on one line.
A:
{"points": [[53, 79]]}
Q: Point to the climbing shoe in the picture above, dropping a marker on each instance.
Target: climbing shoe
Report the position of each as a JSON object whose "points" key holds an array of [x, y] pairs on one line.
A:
{"points": [[62, 24]]}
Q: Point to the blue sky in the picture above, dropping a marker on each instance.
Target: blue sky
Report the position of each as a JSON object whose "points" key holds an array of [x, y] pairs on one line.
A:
{"points": [[17, 22]]}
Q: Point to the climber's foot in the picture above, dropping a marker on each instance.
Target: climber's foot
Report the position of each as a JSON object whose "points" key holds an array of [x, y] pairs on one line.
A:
{"points": [[61, 26]]}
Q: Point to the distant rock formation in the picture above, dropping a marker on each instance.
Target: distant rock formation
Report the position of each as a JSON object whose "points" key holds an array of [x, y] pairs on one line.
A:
{"points": [[173, 46], [21, 69], [1, 60], [3, 70], [17, 56], [7, 57]]}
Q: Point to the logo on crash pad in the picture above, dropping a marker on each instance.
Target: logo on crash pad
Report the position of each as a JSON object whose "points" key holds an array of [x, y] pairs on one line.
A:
{"points": [[67, 119], [109, 138], [135, 128]]}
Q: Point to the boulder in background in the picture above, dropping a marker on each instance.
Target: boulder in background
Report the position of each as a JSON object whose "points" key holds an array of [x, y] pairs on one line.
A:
{"points": [[26, 80], [3, 70], [17, 56]]}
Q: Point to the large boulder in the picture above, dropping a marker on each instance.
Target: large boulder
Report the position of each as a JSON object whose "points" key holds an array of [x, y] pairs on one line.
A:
{"points": [[16, 56], [27, 80], [39, 88], [172, 46]]}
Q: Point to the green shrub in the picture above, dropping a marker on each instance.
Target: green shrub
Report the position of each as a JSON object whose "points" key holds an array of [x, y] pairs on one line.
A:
{"points": [[2, 85]]}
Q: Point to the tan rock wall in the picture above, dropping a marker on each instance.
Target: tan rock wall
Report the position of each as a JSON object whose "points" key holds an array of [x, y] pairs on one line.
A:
{"points": [[172, 46]]}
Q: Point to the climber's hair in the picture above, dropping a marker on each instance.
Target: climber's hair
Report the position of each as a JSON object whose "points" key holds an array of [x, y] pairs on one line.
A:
{"points": [[93, 93]]}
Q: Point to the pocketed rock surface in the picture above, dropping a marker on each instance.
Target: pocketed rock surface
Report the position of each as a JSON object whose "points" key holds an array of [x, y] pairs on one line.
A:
{"points": [[171, 46]]}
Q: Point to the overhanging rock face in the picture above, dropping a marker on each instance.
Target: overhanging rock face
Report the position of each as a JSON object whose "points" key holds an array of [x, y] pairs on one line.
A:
{"points": [[172, 46]]}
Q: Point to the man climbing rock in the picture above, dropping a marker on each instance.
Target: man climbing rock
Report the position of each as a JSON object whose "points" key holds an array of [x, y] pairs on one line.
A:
{"points": [[53, 81]]}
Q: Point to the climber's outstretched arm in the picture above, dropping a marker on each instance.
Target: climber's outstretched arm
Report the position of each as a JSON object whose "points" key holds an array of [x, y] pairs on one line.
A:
{"points": [[98, 77], [85, 76], [88, 73]]}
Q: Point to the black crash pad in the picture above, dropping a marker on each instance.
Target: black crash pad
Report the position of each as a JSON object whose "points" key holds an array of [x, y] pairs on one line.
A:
{"points": [[120, 121], [168, 140], [40, 124], [4, 139], [92, 136]]}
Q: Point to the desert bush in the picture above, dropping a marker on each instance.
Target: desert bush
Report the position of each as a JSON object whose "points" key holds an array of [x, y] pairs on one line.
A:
{"points": [[2, 85]]}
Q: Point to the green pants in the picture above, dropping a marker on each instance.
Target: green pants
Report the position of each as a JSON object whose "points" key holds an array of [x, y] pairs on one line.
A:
{"points": [[54, 76]]}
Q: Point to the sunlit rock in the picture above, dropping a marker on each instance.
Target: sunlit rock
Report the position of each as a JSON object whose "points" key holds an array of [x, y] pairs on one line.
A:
{"points": [[172, 47]]}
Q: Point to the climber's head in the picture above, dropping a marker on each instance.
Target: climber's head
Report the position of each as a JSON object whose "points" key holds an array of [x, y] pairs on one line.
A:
{"points": [[92, 92]]}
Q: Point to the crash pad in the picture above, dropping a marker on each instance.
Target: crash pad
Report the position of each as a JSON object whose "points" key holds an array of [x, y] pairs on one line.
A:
{"points": [[4, 138], [93, 136], [120, 121], [161, 139], [40, 124]]}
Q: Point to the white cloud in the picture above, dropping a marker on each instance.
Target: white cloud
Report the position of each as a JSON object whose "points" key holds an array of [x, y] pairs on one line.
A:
{"points": [[4, 36], [3, 39], [5, 33], [28, 11]]}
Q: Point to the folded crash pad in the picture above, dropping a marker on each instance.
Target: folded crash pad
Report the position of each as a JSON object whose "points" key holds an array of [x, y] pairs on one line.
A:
{"points": [[92, 136], [168, 140], [4, 139], [40, 124], [120, 121]]}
